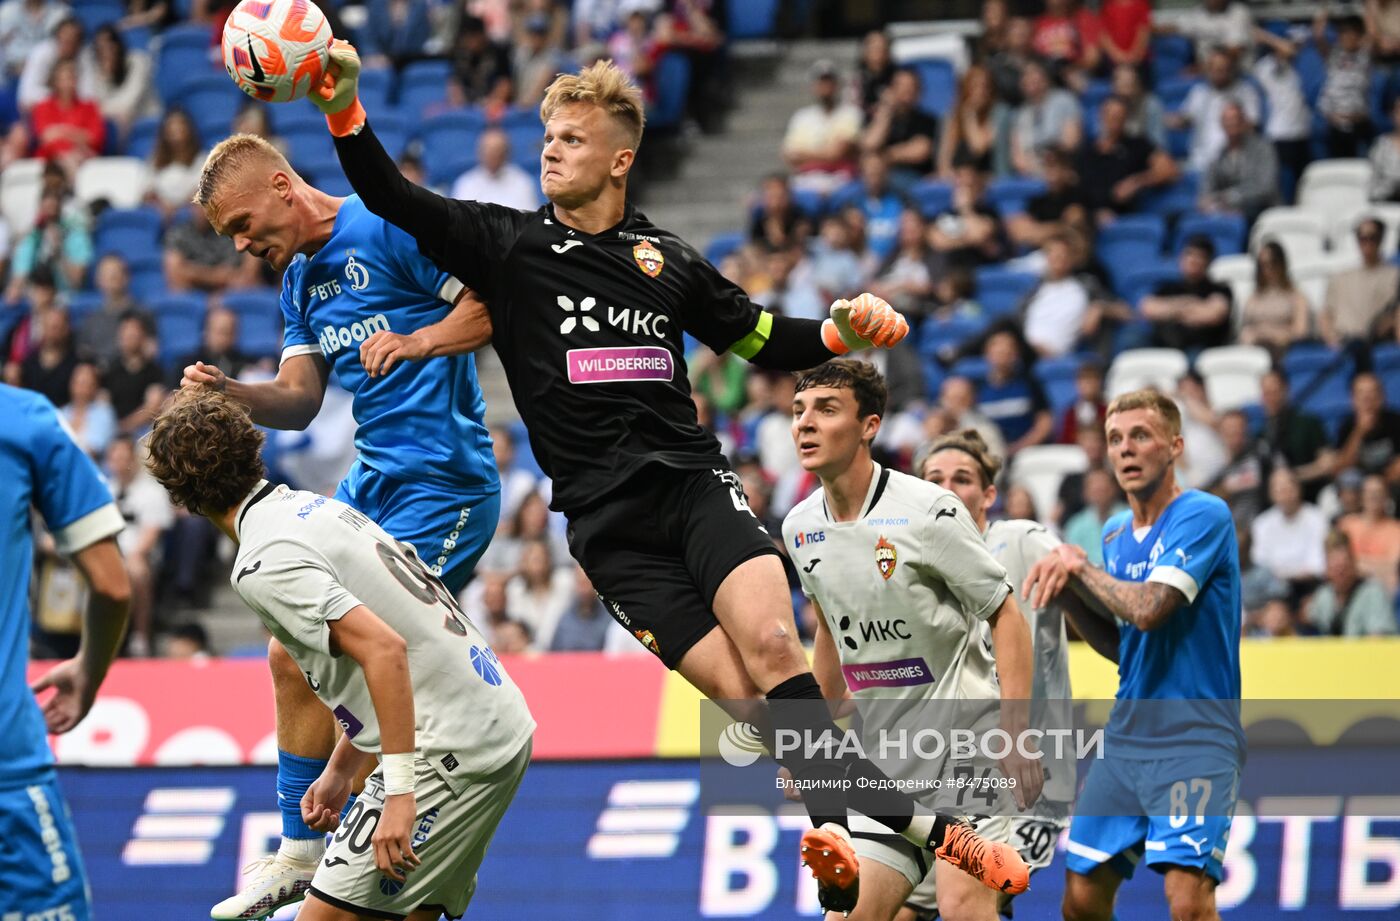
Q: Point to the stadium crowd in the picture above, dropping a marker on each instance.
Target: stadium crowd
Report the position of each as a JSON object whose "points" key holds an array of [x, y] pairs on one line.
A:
{"points": [[1085, 201]]}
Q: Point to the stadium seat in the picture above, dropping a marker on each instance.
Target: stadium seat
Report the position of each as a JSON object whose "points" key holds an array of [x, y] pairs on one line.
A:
{"points": [[81, 305], [416, 98], [1139, 368], [447, 139], [128, 232], [93, 15], [810, 202], [671, 85], [938, 335], [1312, 71], [1300, 231], [376, 89], [121, 181], [1226, 231], [253, 302], [721, 245], [311, 151], [1000, 290], [303, 118], [179, 65], [1178, 198], [1173, 92], [1232, 374], [147, 283], [179, 324], [1171, 54], [931, 197], [1390, 381], [1142, 281], [1238, 273], [1041, 469], [1386, 357], [751, 19], [1130, 241], [213, 102], [1311, 275], [334, 183], [141, 139], [974, 368], [939, 84], [20, 184], [1009, 196], [1342, 235], [260, 335], [1327, 185], [1318, 376]]}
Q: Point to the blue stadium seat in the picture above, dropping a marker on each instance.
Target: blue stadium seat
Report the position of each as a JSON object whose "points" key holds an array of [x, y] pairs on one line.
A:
{"points": [[186, 35], [416, 98], [1144, 280], [81, 305], [133, 234], [1130, 241], [447, 139], [189, 305], [1064, 368], [932, 196], [810, 202], [137, 38], [1390, 380], [938, 85], [852, 193], [311, 152], [751, 18], [376, 90], [1173, 92], [1312, 71], [433, 73], [253, 302], [933, 376], [260, 335], [1226, 231], [524, 456], [721, 245], [526, 140], [1178, 198], [671, 82], [1386, 357], [213, 102], [1319, 377], [179, 65], [1009, 196], [141, 139], [1332, 405], [937, 335], [147, 283], [1171, 54], [1000, 290], [334, 183], [974, 368], [98, 14], [295, 117]]}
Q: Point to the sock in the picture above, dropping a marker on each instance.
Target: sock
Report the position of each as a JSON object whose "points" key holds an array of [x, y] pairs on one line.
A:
{"points": [[348, 803], [797, 706], [927, 831], [295, 775], [305, 850]]}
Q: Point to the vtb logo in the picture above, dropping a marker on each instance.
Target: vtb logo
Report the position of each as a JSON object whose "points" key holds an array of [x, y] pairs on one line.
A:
{"points": [[566, 304]]}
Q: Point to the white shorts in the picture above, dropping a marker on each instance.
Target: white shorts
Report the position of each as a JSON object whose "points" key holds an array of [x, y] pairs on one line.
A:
{"points": [[873, 841], [451, 838]]}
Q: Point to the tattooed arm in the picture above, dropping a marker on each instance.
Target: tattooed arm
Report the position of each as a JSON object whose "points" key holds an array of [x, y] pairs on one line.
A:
{"points": [[1145, 605]]}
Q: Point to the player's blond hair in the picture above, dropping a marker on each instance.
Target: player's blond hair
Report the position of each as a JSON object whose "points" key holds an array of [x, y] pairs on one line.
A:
{"points": [[233, 158], [971, 443], [1164, 405], [605, 85]]}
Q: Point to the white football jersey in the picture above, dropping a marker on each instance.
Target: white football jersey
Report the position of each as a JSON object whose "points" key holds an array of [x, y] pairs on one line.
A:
{"points": [[305, 560]]}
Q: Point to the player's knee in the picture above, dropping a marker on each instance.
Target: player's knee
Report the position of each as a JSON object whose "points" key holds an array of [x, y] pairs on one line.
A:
{"points": [[283, 666], [1192, 903], [1082, 903], [776, 651], [970, 905]]}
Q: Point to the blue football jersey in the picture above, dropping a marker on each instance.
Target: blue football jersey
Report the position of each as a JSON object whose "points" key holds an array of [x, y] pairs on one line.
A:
{"points": [[1195, 655], [422, 421], [40, 466]]}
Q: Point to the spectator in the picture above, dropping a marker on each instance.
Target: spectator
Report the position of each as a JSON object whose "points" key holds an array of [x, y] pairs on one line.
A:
{"points": [[482, 67], [1008, 65], [1217, 26], [1089, 408], [1205, 455], [133, 379], [49, 367], [1383, 27], [484, 599], [59, 242], [1064, 308], [1125, 32], [976, 129], [956, 410], [1243, 179], [1192, 312], [196, 257], [37, 296], [122, 80], [1359, 301], [1289, 125], [148, 512], [836, 269], [793, 291], [1276, 314], [1062, 206], [875, 70], [1343, 103], [513, 638], [1146, 115], [1048, 117], [97, 335], [537, 60], [495, 179], [1122, 166], [821, 138], [1288, 537], [188, 642], [176, 162], [1102, 501], [970, 232], [66, 45], [1370, 435], [540, 592], [1019, 504], [1067, 36], [1205, 104], [1241, 481], [1348, 604], [583, 627], [1261, 592], [67, 128], [1011, 397], [252, 119], [634, 48], [776, 221], [88, 413], [881, 204], [1348, 499], [1374, 534], [516, 481], [595, 21], [1070, 496], [1293, 437], [953, 295], [219, 347], [395, 33], [906, 276], [903, 133], [24, 25], [1385, 161], [772, 437]]}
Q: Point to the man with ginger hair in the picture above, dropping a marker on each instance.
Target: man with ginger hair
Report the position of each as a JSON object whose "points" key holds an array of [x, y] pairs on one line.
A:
{"points": [[425, 470], [588, 301]]}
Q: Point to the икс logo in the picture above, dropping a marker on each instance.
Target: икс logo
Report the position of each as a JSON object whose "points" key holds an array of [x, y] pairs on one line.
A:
{"points": [[566, 304]]}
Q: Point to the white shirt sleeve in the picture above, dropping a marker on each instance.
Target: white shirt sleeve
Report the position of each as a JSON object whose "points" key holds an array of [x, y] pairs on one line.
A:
{"points": [[294, 586]]}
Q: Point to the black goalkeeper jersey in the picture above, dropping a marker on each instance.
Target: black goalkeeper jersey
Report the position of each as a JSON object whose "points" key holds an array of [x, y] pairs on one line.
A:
{"points": [[589, 327]]}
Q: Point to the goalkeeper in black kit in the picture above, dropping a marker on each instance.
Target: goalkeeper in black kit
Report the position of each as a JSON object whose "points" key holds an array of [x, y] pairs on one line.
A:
{"points": [[588, 303]]}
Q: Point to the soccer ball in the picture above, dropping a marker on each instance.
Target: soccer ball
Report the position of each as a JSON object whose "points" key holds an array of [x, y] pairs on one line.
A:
{"points": [[277, 50]]}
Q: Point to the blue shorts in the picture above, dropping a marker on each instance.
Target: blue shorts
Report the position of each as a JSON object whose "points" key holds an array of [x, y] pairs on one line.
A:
{"points": [[449, 530], [1184, 807], [41, 871]]}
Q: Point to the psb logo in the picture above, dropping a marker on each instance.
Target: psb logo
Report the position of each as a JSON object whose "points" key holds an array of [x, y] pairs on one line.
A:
{"points": [[808, 537], [357, 274], [566, 304], [487, 666], [886, 557], [740, 744]]}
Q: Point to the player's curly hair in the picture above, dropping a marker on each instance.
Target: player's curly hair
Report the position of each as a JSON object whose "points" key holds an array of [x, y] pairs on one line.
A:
{"points": [[602, 84], [859, 377], [205, 451], [230, 158], [971, 443]]}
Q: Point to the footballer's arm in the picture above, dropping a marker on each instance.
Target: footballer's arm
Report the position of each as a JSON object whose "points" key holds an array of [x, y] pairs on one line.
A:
{"points": [[1092, 623], [826, 666], [290, 401], [1145, 605], [465, 329], [1011, 648]]}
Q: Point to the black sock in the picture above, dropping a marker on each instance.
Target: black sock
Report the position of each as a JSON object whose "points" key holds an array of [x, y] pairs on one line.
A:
{"points": [[797, 706]]}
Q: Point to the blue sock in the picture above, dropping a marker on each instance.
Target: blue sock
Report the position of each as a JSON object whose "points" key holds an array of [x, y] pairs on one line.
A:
{"points": [[348, 803], [295, 775]]}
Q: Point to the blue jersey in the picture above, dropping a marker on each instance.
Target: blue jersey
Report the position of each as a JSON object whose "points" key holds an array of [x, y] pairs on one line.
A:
{"points": [[1195, 655], [40, 465], [423, 421]]}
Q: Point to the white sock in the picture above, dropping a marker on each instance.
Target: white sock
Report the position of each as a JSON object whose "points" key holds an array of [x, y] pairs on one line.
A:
{"points": [[305, 850], [838, 829], [919, 830]]}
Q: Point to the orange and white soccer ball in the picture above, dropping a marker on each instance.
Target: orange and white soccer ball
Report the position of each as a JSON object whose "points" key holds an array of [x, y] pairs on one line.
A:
{"points": [[277, 50]]}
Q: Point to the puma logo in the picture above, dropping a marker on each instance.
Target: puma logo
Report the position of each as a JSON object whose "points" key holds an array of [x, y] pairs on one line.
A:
{"points": [[1196, 845], [248, 571], [948, 512], [812, 565], [567, 245]]}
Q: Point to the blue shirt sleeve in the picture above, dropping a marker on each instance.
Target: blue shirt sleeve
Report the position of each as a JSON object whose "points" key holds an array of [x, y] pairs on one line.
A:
{"points": [[1194, 543], [69, 491], [296, 332]]}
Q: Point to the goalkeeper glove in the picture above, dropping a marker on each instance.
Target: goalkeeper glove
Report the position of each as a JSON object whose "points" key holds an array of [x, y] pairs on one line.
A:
{"points": [[338, 95], [861, 323]]}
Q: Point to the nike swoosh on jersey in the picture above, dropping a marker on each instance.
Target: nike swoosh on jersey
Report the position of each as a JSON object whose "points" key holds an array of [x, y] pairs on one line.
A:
{"points": [[258, 75], [248, 571], [567, 245]]}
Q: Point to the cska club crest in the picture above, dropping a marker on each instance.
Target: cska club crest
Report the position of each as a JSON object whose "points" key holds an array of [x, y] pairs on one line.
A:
{"points": [[647, 640], [885, 557], [649, 258]]}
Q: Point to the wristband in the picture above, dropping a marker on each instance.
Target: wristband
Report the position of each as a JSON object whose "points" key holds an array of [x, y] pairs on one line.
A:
{"points": [[832, 339], [348, 120], [398, 773]]}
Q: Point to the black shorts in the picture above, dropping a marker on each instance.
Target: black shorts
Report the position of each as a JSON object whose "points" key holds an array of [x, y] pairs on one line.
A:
{"points": [[658, 548]]}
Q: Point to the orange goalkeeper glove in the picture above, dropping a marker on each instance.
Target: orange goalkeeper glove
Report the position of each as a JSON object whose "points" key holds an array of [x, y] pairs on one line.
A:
{"points": [[861, 323], [338, 95]]}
